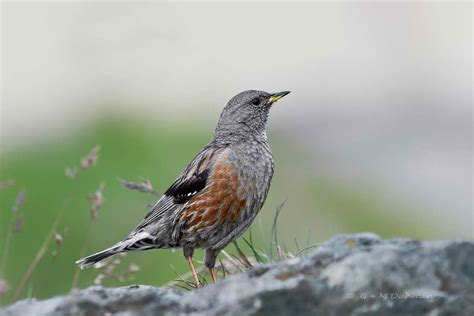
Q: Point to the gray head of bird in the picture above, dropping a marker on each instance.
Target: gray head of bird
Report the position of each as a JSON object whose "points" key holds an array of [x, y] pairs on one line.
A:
{"points": [[246, 115]]}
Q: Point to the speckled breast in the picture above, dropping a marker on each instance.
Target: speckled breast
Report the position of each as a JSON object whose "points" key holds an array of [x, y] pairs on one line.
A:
{"points": [[238, 186]]}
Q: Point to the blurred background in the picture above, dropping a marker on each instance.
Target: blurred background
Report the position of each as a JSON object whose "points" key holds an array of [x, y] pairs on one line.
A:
{"points": [[375, 136]]}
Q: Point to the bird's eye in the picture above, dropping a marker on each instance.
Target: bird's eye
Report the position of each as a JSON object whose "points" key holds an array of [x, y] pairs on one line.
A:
{"points": [[256, 101]]}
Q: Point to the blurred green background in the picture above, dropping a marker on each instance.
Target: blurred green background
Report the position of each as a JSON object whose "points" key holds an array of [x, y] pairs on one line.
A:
{"points": [[375, 136], [317, 208]]}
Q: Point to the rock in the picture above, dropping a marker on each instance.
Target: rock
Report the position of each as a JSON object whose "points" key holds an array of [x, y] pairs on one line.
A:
{"points": [[358, 274]]}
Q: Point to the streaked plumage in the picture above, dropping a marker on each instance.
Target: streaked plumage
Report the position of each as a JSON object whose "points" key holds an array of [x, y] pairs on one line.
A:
{"points": [[217, 196]]}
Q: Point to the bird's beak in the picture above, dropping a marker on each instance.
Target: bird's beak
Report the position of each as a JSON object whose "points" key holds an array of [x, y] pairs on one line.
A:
{"points": [[277, 96]]}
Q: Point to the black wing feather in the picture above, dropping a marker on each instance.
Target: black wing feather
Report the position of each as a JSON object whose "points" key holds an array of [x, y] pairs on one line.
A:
{"points": [[182, 191], [184, 188]]}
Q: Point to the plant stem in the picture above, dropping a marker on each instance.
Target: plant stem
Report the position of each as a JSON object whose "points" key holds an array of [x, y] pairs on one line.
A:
{"points": [[6, 246], [19, 200], [274, 233], [75, 279], [40, 253]]}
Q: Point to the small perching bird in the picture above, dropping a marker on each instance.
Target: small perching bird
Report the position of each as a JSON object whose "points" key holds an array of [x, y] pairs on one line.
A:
{"points": [[219, 193]]}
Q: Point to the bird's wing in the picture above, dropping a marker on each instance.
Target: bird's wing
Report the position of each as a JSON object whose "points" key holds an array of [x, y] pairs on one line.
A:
{"points": [[191, 181]]}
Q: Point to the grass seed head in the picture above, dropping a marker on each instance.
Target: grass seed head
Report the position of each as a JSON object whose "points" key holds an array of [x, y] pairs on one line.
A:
{"points": [[6, 183], [97, 199], [91, 159]]}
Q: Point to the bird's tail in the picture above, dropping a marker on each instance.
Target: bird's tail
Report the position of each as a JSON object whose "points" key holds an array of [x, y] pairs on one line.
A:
{"points": [[97, 257], [136, 241]]}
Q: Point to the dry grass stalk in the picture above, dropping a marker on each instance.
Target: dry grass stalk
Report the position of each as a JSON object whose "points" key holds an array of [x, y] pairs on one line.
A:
{"points": [[41, 251], [59, 240], [97, 199], [19, 224], [144, 186], [6, 183], [91, 158], [184, 282], [110, 269], [71, 173], [19, 202], [86, 162]]}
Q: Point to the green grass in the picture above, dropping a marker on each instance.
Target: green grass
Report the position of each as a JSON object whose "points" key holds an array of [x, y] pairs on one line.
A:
{"points": [[129, 150]]}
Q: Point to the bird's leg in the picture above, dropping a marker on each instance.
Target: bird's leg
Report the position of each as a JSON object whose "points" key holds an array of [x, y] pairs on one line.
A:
{"points": [[188, 254], [210, 262], [195, 276], [212, 272]]}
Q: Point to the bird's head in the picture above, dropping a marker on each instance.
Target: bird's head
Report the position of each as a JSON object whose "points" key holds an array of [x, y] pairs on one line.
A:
{"points": [[246, 114]]}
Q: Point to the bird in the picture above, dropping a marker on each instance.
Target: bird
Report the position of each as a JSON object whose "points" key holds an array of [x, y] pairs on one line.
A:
{"points": [[217, 196]]}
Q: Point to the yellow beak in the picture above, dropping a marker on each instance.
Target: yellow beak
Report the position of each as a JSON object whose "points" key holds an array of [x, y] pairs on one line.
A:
{"points": [[277, 96]]}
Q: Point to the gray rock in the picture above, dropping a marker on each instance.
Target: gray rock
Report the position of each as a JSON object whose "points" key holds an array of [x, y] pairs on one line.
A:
{"points": [[349, 275]]}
